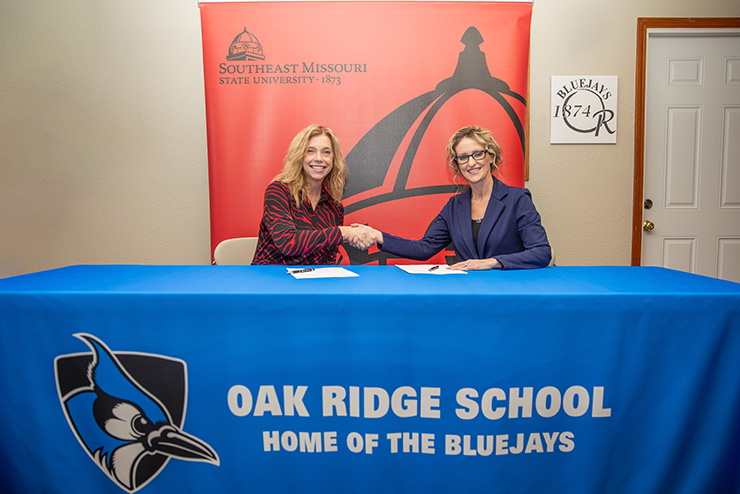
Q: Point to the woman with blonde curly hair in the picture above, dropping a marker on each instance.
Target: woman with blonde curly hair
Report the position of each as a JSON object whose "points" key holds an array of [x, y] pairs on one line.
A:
{"points": [[302, 221], [490, 224]]}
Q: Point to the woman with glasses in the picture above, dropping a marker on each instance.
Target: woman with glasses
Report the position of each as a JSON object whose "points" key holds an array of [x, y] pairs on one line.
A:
{"points": [[491, 225], [302, 221]]}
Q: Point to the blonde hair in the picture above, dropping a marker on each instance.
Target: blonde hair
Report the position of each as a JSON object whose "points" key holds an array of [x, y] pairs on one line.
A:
{"points": [[295, 178], [480, 135]]}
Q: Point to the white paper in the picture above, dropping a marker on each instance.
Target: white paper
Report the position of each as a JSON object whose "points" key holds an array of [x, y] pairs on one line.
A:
{"points": [[333, 272], [435, 269]]}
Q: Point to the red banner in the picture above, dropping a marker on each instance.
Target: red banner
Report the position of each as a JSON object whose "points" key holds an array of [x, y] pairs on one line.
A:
{"points": [[394, 80]]}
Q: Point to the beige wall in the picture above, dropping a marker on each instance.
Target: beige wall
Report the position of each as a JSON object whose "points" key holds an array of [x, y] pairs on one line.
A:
{"points": [[103, 146]]}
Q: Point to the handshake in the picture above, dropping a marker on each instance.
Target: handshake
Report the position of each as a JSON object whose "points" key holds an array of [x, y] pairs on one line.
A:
{"points": [[361, 236]]}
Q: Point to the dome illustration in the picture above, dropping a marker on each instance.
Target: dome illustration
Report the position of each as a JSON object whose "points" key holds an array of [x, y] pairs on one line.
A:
{"points": [[369, 161], [245, 46]]}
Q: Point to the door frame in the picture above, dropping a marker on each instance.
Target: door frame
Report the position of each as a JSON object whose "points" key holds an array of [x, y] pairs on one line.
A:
{"points": [[643, 25]]}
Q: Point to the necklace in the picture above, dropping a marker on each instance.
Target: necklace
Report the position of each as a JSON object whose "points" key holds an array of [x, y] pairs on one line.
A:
{"points": [[478, 205]]}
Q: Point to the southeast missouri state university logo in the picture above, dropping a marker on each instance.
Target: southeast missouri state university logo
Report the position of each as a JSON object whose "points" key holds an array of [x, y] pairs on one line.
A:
{"points": [[245, 46], [127, 410]]}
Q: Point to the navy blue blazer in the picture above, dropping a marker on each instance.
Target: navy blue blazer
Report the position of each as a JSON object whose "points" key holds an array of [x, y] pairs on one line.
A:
{"points": [[511, 231]]}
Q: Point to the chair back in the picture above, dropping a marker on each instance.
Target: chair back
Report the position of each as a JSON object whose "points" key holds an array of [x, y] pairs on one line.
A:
{"points": [[235, 251]]}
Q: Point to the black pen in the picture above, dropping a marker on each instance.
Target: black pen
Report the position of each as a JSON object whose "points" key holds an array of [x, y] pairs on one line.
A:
{"points": [[304, 270], [433, 268]]}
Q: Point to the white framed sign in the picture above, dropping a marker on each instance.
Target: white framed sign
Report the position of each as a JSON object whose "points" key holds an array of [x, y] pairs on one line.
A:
{"points": [[583, 109]]}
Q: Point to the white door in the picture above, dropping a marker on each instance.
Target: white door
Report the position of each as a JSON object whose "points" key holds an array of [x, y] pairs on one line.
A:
{"points": [[692, 153]]}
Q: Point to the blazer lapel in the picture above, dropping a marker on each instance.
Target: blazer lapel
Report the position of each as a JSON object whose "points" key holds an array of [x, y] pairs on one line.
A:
{"points": [[493, 212], [463, 221]]}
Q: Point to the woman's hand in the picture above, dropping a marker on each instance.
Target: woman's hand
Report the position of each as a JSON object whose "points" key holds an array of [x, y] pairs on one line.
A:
{"points": [[476, 264], [376, 235], [358, 236]]}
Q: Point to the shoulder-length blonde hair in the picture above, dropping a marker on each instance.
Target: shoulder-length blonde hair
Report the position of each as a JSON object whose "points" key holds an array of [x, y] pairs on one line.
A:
{"points": [[295, 178], [483, 137]]}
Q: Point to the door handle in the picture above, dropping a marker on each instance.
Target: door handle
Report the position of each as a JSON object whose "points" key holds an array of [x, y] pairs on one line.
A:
{"points": [[648, 226]]}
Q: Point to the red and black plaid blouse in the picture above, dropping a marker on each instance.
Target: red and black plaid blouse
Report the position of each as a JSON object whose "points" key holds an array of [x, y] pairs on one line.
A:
{"points": [[298, 235]]}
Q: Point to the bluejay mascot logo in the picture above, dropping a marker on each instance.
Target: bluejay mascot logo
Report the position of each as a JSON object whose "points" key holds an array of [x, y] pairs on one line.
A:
{"points": [[129, 430]]}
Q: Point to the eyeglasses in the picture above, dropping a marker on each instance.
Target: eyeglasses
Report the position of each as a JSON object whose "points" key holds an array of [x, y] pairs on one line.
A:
{"points": [[477, 156]]}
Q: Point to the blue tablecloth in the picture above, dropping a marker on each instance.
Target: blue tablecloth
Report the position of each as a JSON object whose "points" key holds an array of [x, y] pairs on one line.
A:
{"points": [[244, 379]]}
